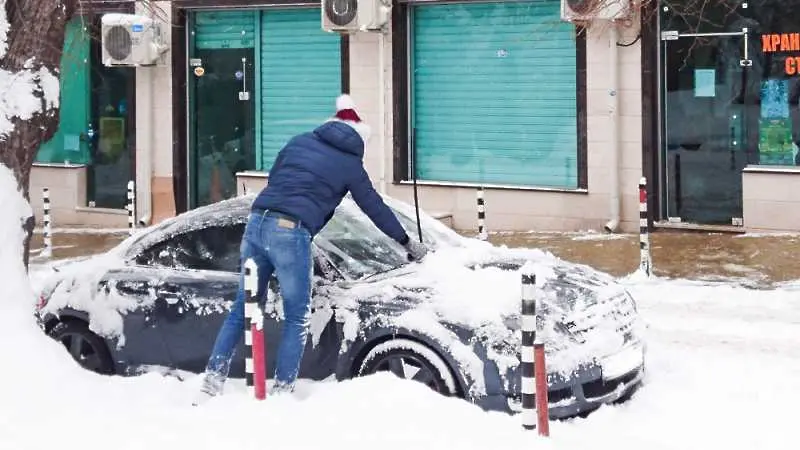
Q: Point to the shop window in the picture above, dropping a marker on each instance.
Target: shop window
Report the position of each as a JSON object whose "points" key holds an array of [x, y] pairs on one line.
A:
{"points": [[495, 95], [112, 133]]}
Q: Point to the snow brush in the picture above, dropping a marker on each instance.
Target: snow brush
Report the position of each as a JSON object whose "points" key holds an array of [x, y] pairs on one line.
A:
{"points": [[414, 179]]}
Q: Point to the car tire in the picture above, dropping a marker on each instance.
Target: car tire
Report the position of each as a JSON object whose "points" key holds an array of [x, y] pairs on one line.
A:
{"points": [[410, 360], [86, 348]]}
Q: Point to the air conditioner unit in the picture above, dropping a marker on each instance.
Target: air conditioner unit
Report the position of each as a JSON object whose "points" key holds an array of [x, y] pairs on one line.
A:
{"points": [[572, 10], [350, 16], [130, 40]]}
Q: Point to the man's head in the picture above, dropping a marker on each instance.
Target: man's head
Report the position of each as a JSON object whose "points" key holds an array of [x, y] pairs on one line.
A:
{"points": [[346, 112]]}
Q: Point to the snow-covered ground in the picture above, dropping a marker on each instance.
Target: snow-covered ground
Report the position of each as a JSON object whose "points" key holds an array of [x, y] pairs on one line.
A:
{"points": [[723, 371]]}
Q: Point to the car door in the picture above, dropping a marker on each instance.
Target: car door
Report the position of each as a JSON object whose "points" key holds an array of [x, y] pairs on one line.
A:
{"points": [[133, 289], [197, 287]]}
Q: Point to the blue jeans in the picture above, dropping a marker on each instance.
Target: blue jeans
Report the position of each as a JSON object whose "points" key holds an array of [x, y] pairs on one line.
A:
{"points": [[287, 253]]}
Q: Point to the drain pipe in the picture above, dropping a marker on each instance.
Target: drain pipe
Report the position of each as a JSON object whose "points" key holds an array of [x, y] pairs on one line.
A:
{"points": [[145, 178], [613, 117], [382, 108]]}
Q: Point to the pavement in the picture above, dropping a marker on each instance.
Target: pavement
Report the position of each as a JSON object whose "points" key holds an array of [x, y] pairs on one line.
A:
{"points": [[758, 260]]}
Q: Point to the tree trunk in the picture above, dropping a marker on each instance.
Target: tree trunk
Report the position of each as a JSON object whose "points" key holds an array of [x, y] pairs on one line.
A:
{"points": [[35, 40]]}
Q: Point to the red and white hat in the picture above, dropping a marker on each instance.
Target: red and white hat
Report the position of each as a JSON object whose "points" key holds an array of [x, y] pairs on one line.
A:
{"points": [[346, 109], [346, 112]]}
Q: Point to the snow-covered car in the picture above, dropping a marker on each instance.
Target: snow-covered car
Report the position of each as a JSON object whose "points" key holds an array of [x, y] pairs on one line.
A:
{"points": [[157, 300]]}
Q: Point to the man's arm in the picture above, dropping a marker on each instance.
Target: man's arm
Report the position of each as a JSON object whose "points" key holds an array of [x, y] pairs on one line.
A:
{"points": [[372, 204]]}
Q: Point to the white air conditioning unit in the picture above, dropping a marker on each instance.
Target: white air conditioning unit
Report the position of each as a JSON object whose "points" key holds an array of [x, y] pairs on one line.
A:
{"points": [[355, 15], [131, 40], [582, 10]]}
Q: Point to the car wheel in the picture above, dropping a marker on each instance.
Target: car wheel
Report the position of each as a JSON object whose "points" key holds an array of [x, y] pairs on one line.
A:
{"points": [[412, 361], [87, 348]]}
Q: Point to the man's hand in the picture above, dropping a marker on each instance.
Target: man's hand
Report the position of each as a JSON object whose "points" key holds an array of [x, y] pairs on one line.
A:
{"points": [[416, 251]]}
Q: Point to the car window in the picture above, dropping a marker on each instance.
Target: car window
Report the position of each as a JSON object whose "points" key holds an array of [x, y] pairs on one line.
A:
{"points": [[357, 247], [211, 248]]}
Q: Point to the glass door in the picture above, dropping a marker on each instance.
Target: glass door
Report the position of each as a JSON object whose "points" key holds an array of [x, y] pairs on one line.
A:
{"points": [[706, 107], [222, 103]]}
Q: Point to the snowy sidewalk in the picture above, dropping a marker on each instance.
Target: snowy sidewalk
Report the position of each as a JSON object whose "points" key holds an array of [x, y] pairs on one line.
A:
{"points": [[759, 259]]}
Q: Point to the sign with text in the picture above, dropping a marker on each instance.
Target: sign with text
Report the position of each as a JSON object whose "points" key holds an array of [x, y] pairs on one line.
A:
{"points": [[783, 42]]}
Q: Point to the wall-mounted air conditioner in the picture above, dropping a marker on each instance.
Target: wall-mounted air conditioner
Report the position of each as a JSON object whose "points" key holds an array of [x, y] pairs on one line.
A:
{"points": [[349, 16], [131, 40], [584, 10]]}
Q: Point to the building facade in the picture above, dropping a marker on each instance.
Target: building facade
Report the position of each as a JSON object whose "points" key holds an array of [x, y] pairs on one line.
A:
{"points": [[87, 163], [555, 121]]}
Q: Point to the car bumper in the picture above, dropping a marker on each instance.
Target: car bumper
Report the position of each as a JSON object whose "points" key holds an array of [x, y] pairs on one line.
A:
{"points": [[612, 379]]}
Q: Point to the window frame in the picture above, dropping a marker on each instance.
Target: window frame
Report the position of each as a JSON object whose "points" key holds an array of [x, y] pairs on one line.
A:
{"points": [[402, 39]]}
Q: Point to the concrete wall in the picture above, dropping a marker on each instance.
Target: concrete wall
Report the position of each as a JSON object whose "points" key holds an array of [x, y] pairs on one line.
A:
{"points": [[770, 199], [154, 124], [521, 209]]}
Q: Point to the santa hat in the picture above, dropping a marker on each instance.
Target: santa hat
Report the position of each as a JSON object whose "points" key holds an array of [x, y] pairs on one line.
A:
{"points": [[346, 109], [346, 113]]}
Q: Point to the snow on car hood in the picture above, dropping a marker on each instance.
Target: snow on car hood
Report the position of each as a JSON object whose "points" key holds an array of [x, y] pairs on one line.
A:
{"points": [[478, 286]]}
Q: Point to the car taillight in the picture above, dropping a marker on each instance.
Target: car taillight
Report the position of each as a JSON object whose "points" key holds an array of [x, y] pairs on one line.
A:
{"points": [[42, 302]]}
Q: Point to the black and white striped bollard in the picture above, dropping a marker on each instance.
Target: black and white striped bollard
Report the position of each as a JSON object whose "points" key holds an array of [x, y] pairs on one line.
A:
{"points": [[255, 369], [482, 235], [533, 382], [47, 251], [131, 206], [645, 260]]}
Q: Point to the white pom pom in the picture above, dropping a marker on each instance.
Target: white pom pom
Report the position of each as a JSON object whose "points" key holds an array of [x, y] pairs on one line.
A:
{"points": [[345, 102]]}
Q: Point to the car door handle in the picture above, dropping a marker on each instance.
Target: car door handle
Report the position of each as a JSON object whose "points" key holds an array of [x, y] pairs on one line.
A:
{"points": [[168, 291]]}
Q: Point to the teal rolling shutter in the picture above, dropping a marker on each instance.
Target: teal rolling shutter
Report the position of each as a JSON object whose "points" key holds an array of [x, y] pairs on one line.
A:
{"points": [[300, 76], [225, 29], [494, 88]]}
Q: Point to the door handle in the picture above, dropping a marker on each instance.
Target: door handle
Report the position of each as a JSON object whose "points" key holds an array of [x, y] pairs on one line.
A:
{"points": [[168, 292]]}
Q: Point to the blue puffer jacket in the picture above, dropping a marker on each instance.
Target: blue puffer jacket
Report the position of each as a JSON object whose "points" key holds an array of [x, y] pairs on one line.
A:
{"points": [[314, 171]]}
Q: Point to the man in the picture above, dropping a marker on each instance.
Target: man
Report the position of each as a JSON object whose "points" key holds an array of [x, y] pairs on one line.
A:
{"points": [[308, 180]]}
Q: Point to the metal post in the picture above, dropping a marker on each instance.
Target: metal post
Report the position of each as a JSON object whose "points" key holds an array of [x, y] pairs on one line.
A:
{"points": [[527, 381], [645, 261], [482, 235], [47, 251], [255, 367], [131, 206]]}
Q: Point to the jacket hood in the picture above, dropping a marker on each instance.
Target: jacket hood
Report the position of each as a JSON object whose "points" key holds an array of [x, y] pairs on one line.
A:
{"points": [[343, 135]]}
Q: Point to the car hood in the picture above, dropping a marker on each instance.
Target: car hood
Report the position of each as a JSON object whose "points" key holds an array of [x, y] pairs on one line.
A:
{"points": [[477, 287]]}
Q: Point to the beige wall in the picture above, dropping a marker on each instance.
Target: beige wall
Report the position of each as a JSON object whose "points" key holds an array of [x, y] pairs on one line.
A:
{"points": [[154, 125], [67, 189], [770, 199], [520, 209]]}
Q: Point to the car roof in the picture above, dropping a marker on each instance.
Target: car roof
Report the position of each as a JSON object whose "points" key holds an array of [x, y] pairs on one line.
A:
{"points": [[222, 213]]}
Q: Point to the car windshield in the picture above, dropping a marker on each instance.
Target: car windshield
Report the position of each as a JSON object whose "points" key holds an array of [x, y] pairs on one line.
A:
{"points": [[359, 249]]}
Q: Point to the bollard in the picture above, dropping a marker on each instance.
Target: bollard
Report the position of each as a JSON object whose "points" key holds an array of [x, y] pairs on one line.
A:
{"points": [[527, 381], [533, 383], [255, 367], [47, 251], [482, 235], [131, 207], [645, 261]]}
